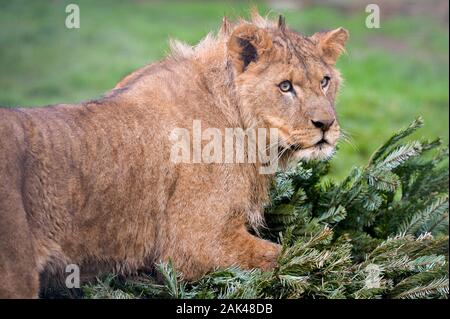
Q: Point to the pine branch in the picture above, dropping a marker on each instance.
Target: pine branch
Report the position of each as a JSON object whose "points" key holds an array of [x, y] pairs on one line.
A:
{"points": [[415, 125], [437, 208], [413, 287]]}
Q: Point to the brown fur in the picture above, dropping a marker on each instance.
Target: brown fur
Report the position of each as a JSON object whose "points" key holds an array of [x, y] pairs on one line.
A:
{"points": [[92, 184]]}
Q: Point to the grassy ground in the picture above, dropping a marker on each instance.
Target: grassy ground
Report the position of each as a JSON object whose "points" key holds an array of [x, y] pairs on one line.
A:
{"points": [[392, 74]]}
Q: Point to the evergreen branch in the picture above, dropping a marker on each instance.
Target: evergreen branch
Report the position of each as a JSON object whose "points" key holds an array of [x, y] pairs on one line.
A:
{"points": [[438, 207], [172, 283], [416, 124], [399, 155], [412, 288], [383, 181]]}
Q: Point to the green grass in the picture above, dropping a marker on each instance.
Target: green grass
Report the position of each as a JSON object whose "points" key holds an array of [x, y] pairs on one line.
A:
{"points": [[392, 74]]}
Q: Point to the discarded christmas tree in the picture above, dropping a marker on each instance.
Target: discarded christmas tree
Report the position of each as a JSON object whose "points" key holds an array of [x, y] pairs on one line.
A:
{"points": [[380, 233]]}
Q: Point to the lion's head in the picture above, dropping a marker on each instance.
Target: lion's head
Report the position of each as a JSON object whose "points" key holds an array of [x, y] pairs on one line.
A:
{"points": [[288, 81]]}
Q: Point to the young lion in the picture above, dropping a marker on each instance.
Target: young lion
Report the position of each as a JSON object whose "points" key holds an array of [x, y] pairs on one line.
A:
{"points": [[93, 184]]}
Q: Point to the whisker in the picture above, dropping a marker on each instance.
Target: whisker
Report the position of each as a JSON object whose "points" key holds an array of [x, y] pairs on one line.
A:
{"points": [[347, 138]]}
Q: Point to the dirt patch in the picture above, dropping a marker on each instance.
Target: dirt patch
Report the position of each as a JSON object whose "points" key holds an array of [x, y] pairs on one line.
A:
{"points": [[392, 45], [435, 9]]}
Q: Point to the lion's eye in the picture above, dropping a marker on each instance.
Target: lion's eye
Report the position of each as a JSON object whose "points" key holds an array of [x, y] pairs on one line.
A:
{"points": [[325, 81], [285, 86]]}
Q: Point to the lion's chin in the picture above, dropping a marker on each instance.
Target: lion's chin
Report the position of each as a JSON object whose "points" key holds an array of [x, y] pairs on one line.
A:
{"points": [[320, 152]]}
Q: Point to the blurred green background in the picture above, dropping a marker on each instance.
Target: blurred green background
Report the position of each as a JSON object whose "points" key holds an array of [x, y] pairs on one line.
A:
{"points": [[392, 74]]}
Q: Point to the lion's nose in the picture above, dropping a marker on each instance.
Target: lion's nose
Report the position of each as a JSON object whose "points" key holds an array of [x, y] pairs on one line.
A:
{"points": [[324, 125]]}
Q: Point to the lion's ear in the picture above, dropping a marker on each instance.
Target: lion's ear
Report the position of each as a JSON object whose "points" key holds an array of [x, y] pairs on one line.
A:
{"points": [[331, 44], [247, 44]]}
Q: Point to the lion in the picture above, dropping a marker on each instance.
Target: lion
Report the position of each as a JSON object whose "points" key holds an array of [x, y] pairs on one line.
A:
{"points": [[92, 184]]}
